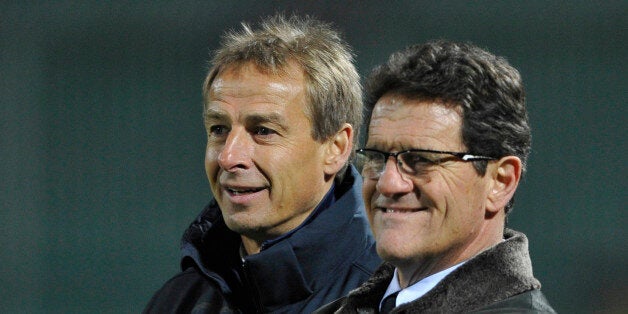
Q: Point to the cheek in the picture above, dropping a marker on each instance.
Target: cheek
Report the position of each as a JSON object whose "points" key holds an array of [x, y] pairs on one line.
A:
{"points": [[447, 188], [368, 190], [210, 158], [301, 165], [211, 164], [284, 169], [463, 202]]}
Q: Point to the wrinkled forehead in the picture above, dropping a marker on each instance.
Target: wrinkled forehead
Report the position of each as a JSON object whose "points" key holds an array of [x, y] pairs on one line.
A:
{"points": [[395, 106], [404, 122], [290, 70]]}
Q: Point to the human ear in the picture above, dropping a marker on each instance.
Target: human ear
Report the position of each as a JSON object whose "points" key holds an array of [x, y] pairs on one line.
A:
{"points": [[505, 174], [338, 150]]}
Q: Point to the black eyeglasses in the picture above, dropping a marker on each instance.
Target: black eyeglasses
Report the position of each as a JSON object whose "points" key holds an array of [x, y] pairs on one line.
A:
{"points": [[411, 162]]}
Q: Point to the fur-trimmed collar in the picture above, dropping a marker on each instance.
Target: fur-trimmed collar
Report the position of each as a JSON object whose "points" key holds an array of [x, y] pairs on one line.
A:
{"points": [[498, 273]]}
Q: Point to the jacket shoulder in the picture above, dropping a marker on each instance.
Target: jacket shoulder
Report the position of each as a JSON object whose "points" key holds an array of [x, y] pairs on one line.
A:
{"points": [[532, 301], [185, 293]]}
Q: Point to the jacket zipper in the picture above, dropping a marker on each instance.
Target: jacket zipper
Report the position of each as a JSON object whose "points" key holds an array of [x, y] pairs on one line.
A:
{"points": [[252, 288]]}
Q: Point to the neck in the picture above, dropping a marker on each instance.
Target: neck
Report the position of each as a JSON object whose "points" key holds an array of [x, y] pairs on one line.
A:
{"points": [[411, 274], [251, 246]]}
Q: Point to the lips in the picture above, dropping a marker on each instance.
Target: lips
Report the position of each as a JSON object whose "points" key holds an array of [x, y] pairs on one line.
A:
{"points": [[244, 195], [241, 194], [389, 210], [242, 191]]}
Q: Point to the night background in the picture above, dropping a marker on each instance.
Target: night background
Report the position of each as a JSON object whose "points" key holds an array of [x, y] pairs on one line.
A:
{"points": [[102, 141]]}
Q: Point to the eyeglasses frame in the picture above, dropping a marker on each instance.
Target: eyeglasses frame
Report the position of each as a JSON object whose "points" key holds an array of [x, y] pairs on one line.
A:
{"points": [[463, 156]]}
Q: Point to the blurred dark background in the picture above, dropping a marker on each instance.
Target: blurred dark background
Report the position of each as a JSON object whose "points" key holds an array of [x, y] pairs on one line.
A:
{"points": [[102, 143]]}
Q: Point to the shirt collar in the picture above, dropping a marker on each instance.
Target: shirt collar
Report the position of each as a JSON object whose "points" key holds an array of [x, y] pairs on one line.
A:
{"points": [[418, 289]]}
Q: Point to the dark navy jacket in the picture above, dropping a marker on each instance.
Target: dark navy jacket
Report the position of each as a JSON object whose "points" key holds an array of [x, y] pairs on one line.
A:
{"points": [[319, 263]]}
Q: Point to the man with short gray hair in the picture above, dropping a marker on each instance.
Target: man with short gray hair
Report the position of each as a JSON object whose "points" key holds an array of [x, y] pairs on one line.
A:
{"points": [[286, 231]]}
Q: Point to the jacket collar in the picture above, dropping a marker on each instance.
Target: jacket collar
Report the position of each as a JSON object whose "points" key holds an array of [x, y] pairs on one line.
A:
{"points": [[496, 274], [296, 260]]}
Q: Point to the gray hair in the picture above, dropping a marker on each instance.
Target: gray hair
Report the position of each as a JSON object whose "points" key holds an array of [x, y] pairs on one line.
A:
{"points": [[332, 82]]}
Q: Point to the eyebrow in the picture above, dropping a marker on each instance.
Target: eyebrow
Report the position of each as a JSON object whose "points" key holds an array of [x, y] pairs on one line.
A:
{"points": [[212, 114], [260, 118]]}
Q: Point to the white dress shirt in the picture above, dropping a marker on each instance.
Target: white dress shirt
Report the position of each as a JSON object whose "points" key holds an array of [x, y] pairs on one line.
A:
{"points": [[418, 289]]}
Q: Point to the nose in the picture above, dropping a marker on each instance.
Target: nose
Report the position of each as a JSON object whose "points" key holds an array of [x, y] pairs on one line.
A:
{"points": [[236, 152], [391, 182]]}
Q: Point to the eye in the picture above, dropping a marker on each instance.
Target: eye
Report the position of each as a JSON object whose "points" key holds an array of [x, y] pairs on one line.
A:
{"points": [[370, 163], [218, 130], [412, 158], [264, 131], [415, 162]]}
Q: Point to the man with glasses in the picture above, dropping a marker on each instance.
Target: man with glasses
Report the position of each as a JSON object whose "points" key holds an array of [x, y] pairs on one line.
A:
{"points": [[286, 231], [447, 143]]}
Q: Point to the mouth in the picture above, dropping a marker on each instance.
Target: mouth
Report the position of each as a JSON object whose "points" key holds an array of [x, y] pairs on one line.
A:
{"points": [[242, 191], [389, 210]]}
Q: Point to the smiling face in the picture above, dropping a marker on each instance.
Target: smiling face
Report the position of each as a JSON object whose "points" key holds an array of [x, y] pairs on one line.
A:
{"points": [[436, 219], [265, 169]]}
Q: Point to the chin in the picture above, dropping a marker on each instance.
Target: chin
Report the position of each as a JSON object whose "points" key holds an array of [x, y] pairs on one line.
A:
{"points": [[237, 224], [388, 255]]}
